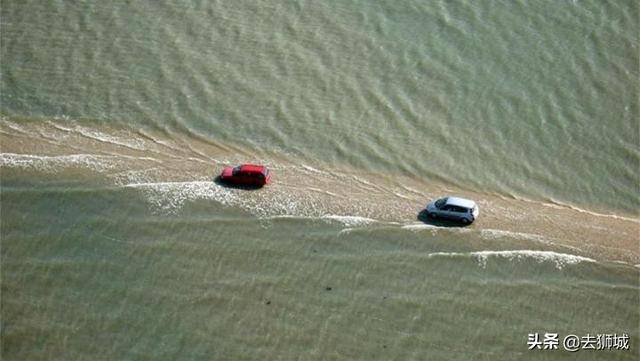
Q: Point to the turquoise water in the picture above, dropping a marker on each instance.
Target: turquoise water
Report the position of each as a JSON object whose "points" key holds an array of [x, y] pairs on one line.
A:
{"points": [[115, 119]]}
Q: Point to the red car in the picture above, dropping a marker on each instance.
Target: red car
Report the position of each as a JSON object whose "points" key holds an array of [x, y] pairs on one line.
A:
{"points": [[246, 174]]}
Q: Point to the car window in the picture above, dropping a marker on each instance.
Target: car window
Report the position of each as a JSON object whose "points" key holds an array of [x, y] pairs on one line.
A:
{"points": [[441, 202]]}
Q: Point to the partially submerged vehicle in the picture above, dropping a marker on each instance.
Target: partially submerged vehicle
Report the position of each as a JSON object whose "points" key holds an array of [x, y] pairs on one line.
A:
{"points": [[453, 208], [246, 174]]}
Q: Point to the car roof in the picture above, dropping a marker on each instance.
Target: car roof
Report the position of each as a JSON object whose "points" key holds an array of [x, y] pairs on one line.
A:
{"points": [[252, 168], [460, 202]]}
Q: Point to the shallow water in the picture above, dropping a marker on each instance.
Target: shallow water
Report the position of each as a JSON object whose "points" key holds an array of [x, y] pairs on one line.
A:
{"points": [[531, 100], [118, 244], [113, 278]]}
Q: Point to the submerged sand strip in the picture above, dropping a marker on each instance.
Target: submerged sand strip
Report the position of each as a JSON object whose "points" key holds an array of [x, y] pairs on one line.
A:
{"points": [[173, 171]]}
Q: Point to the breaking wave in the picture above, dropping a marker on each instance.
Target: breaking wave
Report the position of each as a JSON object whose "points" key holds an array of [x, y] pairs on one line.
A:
{"points": [[560, 260]]}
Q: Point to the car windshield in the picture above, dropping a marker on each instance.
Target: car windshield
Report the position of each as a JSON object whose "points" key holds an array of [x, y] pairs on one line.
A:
{"points": [[441, 202], [236, 170]]}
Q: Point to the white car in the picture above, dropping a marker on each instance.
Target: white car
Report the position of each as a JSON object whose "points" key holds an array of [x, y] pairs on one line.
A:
{"points": [[454, 208]]}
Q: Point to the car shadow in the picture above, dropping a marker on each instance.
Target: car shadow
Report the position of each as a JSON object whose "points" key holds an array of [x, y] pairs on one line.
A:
{"points": [[217, 180], [424, 217]]}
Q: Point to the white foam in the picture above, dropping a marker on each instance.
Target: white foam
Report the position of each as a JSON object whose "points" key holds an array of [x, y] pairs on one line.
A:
{"points": [[56, 163], [411, 190], [498, 233], [14, 126], [561, 205], [171, 196], [559, 259], [349, 221], [363, 181], [322, 191], [136, 144], [287, 216], [345, 231], [135, 176], [400, 195], [311, 169], [419, 226], [433, 228]]}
